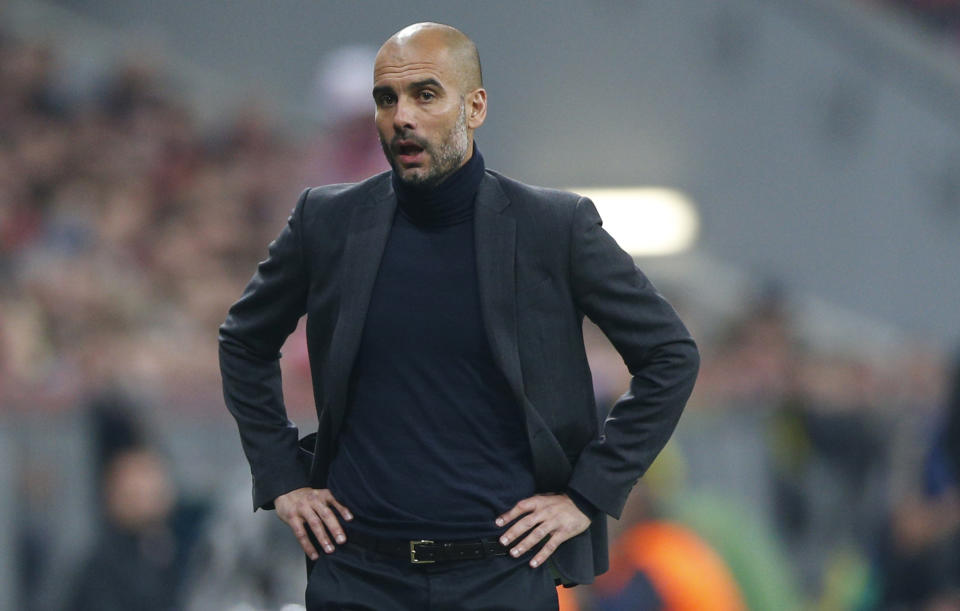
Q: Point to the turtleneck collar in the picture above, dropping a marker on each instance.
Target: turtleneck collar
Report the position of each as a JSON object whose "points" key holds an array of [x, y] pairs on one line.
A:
{"points": [[448, 203]]}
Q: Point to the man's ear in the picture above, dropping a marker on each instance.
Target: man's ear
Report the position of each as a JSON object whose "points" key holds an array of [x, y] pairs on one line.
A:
{"points": [[476, 108]]}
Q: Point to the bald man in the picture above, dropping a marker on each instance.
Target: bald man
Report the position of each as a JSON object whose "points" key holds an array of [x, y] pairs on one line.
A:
{"points": [[458, 462]]}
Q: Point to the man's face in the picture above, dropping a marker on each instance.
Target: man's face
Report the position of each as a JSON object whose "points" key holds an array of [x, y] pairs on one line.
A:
{"points": [[421, 115]]}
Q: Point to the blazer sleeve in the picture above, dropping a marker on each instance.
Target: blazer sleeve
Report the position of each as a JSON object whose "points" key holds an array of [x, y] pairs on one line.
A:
{"points": [[656, 348], [250, 339]]}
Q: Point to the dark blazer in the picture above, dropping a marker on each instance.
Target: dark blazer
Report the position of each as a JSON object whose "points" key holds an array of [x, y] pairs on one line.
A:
{"points": [[543, 261]]}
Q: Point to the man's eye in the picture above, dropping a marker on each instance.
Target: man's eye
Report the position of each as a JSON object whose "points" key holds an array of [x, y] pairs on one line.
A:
{"points": [[387, 99], [427, 95]]}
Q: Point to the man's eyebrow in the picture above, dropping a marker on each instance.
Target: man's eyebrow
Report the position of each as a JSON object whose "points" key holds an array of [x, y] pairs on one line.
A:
{"points": [[426, 83]]}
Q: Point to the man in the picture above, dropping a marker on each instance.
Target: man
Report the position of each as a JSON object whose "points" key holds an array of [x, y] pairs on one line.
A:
{"points": [[457, 462]]}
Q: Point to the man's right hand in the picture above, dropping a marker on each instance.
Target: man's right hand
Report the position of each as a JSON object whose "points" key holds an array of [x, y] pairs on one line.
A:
{"points": [[312, 507]]}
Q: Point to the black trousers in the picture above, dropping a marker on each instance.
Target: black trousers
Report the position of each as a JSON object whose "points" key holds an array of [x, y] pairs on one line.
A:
{"points": [[356, 578]]}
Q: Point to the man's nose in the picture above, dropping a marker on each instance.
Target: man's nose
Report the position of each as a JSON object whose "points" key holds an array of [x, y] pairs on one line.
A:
{"points": [[403, 118]]}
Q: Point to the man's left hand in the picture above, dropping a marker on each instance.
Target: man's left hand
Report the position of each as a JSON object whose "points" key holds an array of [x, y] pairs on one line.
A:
{"points": [[547, 514]]}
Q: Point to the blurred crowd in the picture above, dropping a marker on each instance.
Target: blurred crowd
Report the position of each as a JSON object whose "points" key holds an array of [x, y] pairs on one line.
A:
{"points": [[125, 228], [801, 476]]}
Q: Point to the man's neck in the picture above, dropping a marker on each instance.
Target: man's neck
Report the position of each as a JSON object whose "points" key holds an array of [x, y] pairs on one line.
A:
{"points": [[447, 203]]}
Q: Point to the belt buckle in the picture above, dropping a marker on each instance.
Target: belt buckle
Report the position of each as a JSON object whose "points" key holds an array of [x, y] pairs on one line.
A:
{"points": [[413, 552]]}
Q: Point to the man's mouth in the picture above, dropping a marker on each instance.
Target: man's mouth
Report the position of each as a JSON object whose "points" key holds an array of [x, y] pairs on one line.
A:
{"points": [[408, 152]]}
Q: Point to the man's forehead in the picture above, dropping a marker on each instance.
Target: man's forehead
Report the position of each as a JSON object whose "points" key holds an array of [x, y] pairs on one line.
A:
{"points": [[397, 61]]}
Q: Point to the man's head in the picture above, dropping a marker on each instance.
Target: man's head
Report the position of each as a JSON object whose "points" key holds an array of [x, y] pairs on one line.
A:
{"points": [[138, 492], [428, 90]]}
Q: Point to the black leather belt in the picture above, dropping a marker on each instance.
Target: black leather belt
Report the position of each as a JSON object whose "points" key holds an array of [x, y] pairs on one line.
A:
{"points": [[424, 551]]}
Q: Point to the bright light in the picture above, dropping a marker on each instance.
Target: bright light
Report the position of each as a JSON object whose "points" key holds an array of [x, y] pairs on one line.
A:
{"points": [[646, 221]]}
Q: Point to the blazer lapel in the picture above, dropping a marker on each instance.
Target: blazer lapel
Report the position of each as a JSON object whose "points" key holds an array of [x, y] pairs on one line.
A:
{"points": [[366, 239], [496, 245], [495, 242]]}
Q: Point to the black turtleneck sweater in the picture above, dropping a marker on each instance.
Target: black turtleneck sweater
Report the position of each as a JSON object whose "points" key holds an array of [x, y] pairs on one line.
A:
{"points": [[434, 444]]}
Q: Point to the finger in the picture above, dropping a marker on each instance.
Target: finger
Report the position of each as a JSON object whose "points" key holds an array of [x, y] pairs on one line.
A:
{"points": [[543, 512], [520, 527], [536, 536], [341, 508], [316, 526], [301, 534], [330, 521], [548, 548], [522, 507]]}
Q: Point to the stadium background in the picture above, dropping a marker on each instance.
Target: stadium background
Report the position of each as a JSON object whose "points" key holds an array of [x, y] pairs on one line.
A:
{"points": [[149, 151]]}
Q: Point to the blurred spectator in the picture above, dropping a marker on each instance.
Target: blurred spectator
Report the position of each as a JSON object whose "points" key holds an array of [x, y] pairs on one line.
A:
{"points": [[752, 360], [660, 564], [830, 464], [347, 148], [115, 429], [919, 560], [133, 563]]}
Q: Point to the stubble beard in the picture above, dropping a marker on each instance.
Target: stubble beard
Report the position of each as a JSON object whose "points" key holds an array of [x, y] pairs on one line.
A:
{"points": [[446, 158]]}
